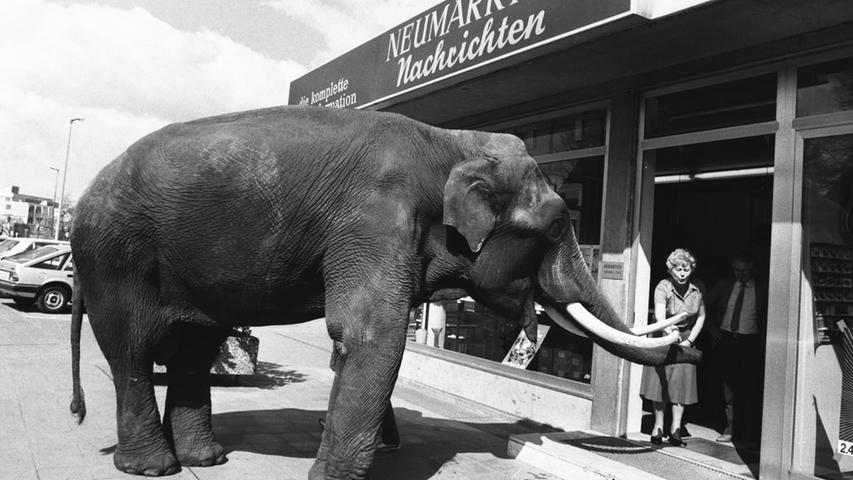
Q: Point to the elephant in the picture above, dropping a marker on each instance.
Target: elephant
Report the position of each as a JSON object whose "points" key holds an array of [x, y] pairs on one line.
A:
{"points": [[288, 214]]}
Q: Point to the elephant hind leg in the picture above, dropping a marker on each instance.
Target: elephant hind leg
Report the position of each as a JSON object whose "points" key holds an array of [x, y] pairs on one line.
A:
{"points": [[133, 328], [142, 446], [187, 419]]}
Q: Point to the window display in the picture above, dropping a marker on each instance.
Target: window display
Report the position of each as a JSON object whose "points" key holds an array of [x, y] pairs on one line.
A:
{"points": [[573, 132], [468, 327], [828, 269]]}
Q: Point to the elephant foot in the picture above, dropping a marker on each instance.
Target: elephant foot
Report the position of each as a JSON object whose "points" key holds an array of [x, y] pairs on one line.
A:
{"points": [[147, 465], [204, 456], [319, 471]]}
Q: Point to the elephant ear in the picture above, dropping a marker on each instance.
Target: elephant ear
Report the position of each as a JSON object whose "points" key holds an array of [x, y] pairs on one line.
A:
{"points": [[468, 204]]}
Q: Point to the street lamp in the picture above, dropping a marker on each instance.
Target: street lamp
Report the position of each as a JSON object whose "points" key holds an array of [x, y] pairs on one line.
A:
{"points": [[64, 175], [53, 219]]}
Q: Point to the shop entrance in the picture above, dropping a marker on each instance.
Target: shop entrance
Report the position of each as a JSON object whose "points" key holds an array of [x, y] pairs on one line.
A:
{"points": [[715, 200], [715, 220]]}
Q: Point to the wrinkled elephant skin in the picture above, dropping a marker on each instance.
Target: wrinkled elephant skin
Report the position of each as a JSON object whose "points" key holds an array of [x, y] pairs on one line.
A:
{"points": [[288, 214]]}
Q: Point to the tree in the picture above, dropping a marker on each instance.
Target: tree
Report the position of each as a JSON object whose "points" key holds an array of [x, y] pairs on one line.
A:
{"points": [[66, 217]]}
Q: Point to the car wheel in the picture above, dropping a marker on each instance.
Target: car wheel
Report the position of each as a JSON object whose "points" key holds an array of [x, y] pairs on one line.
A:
{"points": [[24, 302], [53, 299]]}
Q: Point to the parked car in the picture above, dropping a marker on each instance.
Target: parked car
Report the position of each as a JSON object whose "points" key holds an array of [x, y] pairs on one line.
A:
{"points": [[15, 245], [43, 276]]}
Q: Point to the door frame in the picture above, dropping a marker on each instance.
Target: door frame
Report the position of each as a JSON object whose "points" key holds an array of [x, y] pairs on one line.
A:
{"points": [[644, 212]]}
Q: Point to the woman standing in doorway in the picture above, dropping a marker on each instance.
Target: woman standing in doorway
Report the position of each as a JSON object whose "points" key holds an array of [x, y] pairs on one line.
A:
{"points": [[675, 384]]}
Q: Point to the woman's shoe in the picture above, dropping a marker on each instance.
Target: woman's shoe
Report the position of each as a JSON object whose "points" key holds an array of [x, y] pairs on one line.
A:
{"points": [[657, 436], [675, 438]]}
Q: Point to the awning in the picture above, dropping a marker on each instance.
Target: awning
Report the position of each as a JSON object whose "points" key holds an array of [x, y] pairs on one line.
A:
{"points": [[553, 51]]}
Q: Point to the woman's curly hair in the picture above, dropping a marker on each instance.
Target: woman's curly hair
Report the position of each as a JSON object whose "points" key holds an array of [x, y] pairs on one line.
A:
{"points": [[680, 256]]}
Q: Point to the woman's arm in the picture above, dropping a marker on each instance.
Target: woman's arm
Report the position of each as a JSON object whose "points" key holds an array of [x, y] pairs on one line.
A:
{"points": [[660, 316], [661, 299], [697, 327], [660, 312]]}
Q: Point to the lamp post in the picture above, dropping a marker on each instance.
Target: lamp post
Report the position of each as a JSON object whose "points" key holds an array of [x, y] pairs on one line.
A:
{"points": [[53, 223], [64, 175]]}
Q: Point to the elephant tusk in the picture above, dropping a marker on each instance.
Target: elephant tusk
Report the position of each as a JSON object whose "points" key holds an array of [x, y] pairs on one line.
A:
{"points": [[564, 322], [654, 327], [605, 332]]}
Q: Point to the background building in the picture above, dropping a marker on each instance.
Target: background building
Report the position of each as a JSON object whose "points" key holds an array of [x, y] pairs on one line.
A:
{"points": [[23, 215]]}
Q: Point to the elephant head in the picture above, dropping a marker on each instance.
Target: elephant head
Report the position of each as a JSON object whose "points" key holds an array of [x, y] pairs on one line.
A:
{"points": [[524, 250]]}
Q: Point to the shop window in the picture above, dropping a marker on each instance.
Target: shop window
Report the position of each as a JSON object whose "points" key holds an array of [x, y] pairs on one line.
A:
{"points": [[740, 102], [573, 132], [580, 182], [825, 88], [467, 327], [826, 429], [727, 155]]}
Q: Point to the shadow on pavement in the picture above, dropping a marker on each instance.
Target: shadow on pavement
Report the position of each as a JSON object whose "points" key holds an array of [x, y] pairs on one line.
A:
{"points": [[30, 308], [427, 443], [268, 376]]}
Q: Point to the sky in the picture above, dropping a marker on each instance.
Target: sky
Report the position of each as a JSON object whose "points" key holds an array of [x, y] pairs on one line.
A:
{"points": [[129, 67]]}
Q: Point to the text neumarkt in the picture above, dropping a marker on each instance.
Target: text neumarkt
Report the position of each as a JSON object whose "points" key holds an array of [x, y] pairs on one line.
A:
{"points": [[497, 34]]}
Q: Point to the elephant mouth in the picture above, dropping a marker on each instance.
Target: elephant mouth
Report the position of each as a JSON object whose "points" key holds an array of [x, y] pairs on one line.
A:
{"points": [[575, 318]]}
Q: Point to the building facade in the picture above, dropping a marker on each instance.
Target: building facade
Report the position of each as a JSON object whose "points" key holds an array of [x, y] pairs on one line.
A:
{"points": [[23, 215], [719, 126]]}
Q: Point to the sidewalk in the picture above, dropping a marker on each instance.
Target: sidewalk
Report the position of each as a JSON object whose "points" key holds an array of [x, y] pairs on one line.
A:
{"points": [[267, 422]]}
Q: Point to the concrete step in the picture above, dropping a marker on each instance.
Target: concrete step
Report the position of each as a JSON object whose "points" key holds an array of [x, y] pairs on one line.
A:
{"points": [[593, 456]]}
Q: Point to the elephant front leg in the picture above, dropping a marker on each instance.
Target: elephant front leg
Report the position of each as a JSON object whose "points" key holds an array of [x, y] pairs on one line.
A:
{"points": [[187, 419], [360, 397]]}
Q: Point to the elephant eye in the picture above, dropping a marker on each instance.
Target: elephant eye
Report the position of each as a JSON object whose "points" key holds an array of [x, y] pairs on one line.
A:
{"points": [[557, 229]]}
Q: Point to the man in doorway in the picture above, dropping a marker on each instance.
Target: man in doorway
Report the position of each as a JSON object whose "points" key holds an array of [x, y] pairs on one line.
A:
{"points": [[737, 308]]}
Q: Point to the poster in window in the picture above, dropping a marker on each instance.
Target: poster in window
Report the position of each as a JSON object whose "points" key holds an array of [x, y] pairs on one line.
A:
{"points": [[592, 257], [523, 350], [845, 427]]}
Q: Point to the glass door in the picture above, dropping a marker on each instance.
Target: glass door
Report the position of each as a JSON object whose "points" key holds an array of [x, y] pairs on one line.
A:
{"points": [[823, 428]]}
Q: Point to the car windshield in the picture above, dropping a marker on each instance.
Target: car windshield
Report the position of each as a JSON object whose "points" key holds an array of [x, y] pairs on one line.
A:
{"points": [[7, 245], [33, 254]]}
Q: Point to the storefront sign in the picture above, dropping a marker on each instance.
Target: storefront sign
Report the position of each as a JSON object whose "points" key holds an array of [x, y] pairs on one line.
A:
{"points": [[347, 85], [611, 270], [448, 39]]}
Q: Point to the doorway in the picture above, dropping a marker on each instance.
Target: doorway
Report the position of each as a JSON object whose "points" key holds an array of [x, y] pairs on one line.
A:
{"points": [[715, 200]]}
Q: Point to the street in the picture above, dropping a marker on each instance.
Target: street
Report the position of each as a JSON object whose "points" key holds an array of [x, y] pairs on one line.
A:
{"points": [[268, 422]]}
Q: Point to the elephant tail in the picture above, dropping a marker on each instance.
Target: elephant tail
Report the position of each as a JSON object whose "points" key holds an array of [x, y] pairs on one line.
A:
{"points": [[78, 400]]}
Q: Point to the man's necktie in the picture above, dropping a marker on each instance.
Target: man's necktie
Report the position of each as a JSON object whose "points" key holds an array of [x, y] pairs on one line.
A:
{"points": [[738, 307]]}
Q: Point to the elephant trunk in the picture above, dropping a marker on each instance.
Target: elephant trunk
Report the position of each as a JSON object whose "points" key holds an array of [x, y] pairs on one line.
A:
{"points": [[565, 285]]}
